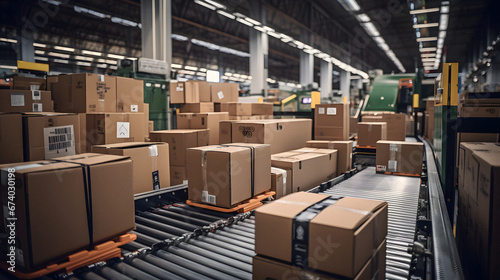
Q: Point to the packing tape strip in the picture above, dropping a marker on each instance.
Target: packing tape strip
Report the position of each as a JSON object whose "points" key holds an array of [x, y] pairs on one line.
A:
{"points": [[283, 174], [252, 165], [204, 176], [153, 154]]}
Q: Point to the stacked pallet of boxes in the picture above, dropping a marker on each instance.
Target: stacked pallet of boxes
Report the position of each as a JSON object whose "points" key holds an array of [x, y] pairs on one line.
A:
{"points": [[314, 236], [246, 111]]}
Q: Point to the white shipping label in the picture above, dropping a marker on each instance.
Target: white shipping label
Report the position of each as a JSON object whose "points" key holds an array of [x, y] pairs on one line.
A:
{"points": [[122, 130], [134, 108], [37, 107], [220, 94], [59, 141], [393, 147], [331, 111], [392, 165], [321, 111], [36, 95], [101, 78], [153, 151], [208, 198], [16, 99], [381, 168], [184, 182], [34, 87]]}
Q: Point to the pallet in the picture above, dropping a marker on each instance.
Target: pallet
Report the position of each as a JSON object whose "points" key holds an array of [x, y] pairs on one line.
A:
{"points": [[242, 207], [102, 252], [398, 173]]}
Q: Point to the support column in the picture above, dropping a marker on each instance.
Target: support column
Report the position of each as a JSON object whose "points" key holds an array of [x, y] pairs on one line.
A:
{"points": [[345, 82], [258, 51], [326, 76], [26, 48], [306, 62], [156, 20]]}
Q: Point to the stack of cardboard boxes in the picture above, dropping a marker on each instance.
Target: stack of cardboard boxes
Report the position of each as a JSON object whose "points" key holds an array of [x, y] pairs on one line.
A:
{"points": [[246, 111], [331, 122]]}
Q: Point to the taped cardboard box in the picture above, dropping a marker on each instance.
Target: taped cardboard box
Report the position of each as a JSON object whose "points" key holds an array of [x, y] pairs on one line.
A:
{"points": [[203, 121], [344, 148], [178, 175], [308, 170], [332, 153], [110, 128], [224, 92], [204, 91], [208, 166], [331, 122], [357, 226], [11, 138], [25, 101], [200, 107], [151, 166], [399, 157], [265, 108], [237, 109], [176, 92], [29, 83], [353, 125], [266, 268], [179, 140], [225, 131], [282, 135], [396, 124], [246, 118], [129, 95], [51, 80], [480, 98], [281, 182], [371, 132]]}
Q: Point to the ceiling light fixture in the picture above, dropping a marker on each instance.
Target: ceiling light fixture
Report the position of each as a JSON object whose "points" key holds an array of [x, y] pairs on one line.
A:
{"points": [[424, 25], [427, 39], [424, 11]]}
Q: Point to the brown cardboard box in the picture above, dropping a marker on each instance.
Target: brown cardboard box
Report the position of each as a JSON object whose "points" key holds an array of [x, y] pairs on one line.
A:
{"points": [[370, 132], [332, 153], [11, 138], [51, 80], [179, 140], [201, 107], [204, 91], [178, 175], [151, 166], [51, 213], [191, 92], [410, 125], [283, 135], [176, 92], [148, 125], [479, 111], [480, 98], [225, 131], [344, 148], [308, 169], [184, 120], [25, 101], [331, 122], [111, 178], [219, 175], [262, 108], [281, 182], [110, 128], [237, 109], [399, 157], [265, 268], [246, 118], [356, 226], [353, 125], [396, 124], [203, 121], [224, 92], [83, 132], [85, 93], [129, 95], [28, 83]]}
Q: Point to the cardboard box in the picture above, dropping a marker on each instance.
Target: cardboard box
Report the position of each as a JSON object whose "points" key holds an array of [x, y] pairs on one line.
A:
{"points": [[29, 83], [11, 138], [246, 118], [110, 128], [25, 101], [149, 125], [266, 268], [237, 109], [51, 80], [179, 140], [129, 95], [332, 153], [85, 93], [151, 166], [479, 112], [203, 121], [410, 125], [308, 170], [344, 148], [331, 122], [399, 157], [356, 226], [176, 92], [396, 125], [281, 182], [371, 132], [262, 108], [480, 98], [178, 175], [83, 133], [353, 125], [204, 91], [224, 92], [201, 107], [225, 131], [283, 135]]}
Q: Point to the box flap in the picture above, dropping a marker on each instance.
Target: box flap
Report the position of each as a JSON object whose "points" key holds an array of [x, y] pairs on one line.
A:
{"points": [[128, 145], [290, 205], [91, 158]]}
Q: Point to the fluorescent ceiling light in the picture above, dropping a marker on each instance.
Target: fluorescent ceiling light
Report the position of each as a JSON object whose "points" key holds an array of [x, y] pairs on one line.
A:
{"points": [[116, 56], [113, 67], [191, 68], [442, 34], [41, 58], [213, 76], [176, 66], [102, 65], [244, 22], [203, 70], [201, 74], [424, 11], [83, 58], [371, 29], [179, 37], [226, 14], [427, 39], [58, 54], [61, 61], [267, 28], [274, 34], [38, 45], [111, 61], [91, 53], [428, 59], [431, 49], [228, 74], [8, 66], [350, 5], [216, 4], [81, 63], [39, 52], [206, 5], [443, 22], [424, 25], [252, 21], [64, 48], [8, 41], [259, 28], [363, 18], [428, 54]]}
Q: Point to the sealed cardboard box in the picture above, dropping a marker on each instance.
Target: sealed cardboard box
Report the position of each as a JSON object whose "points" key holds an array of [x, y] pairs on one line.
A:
{"points": [[396, 124], [266, 268], [178, 175], [176, 92], [129, 95], [353, 125], [399, 157], [332, 153], [480, 98], [308, 170], [204, 91], [85, 93], [191, 92], [83, 132], [225, 131], [265, 108], [29, 83], [200, 107], [282, 135], [224, 92], [51, 80], [151, 166], [179, 140], [25, 101], [281, 182], [356, 226], [371, 132], [331, 122], [246, 118], [110, 128], [203, 121], [237, 109], [344, 148], [184, 120], [11, 138]]}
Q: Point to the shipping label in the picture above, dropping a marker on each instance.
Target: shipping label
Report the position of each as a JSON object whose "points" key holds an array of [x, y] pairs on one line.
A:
{"points": [[59, 141]]}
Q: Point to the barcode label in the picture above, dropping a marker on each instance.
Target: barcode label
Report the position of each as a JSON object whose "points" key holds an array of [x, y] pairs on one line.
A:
{"points": [[35, 95], [321, 111], [37, 107], [392, 165], [16, 99], [208, 198], [59, 141], [34, 87], [331, 111]]}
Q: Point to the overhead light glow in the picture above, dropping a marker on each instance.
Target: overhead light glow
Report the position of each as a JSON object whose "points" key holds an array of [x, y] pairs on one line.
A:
{"points": [[244, 22], [41, 58], [203, 70], [81, 63], [350, 5], [91, 53], [58, 54], [191, 68], [427, 39], [424, 11], [38, 45], [251, 20], [79, 57], [116, 56], [176, 66], [424, 25], [371, 29], [226, 14], [428, 54], [431, 49], [428, 59], [204, 4], [363, 18], [213, 76], [64, 49], [8, 67], [8, 41], [216, 4], [61, 61], [39, 52]]}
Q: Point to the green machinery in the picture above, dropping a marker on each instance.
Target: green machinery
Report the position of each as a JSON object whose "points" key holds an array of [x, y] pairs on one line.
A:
{"points": [[393, 93], [156, 90], [298, 101]]}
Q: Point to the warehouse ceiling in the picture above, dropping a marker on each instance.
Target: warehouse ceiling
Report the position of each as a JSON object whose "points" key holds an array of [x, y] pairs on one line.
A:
{"points": [[111, 26]]}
